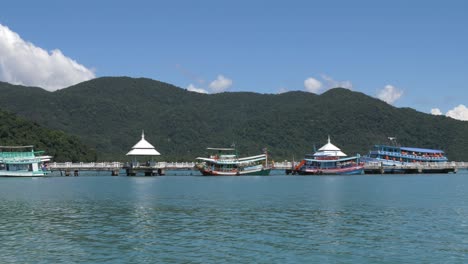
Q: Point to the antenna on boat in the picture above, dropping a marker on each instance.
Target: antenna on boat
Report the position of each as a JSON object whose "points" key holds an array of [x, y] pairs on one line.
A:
{"points": [[233, 145], [265, 151], [393, 140]]}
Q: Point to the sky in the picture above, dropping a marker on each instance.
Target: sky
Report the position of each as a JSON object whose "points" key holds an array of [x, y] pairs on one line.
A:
{"points": [[407, 53]]}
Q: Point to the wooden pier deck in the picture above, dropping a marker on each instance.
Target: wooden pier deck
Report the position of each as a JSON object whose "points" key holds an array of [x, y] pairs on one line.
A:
{"points": [[149, 169], [159, 168]]}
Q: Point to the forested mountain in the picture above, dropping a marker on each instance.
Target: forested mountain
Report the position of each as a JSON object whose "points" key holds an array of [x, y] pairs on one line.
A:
{"points": [[16, 131], [109, 113]]}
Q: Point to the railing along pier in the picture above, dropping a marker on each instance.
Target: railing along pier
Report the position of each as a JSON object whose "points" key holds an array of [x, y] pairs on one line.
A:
{"points": [[159, 168]]}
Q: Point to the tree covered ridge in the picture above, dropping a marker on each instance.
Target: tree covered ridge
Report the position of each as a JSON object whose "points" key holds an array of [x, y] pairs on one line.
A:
{"points": [[109, 113], [16, 131]]}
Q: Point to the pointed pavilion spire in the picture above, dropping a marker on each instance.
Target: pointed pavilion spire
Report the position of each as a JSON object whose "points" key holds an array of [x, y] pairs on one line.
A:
{"points": [[329, 150], [143, 148]]}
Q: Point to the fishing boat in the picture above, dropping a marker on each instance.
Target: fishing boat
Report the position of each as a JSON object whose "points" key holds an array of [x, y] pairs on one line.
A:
{"points": [[22, 161], [329, 160], [225, 162], [395, 155]]}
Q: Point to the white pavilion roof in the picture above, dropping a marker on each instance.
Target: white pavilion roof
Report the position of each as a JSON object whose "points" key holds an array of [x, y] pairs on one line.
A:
{"points": [[143, 148], [330, 150]]}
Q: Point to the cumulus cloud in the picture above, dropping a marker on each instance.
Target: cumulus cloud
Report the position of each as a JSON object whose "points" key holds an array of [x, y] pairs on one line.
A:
{"points": [[331, 83], [221, 84], [312, 85], [436, 111], [192, 88], [21, 62], [282, 90], [460, 112], [389, 94]]}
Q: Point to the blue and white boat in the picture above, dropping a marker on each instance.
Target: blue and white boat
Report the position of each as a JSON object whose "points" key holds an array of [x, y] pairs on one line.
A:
{"points": [[394, 155]]}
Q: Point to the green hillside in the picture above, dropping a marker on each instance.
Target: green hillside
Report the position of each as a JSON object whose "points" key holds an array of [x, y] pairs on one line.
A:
{"points": [[16, 131], [109, 114]]}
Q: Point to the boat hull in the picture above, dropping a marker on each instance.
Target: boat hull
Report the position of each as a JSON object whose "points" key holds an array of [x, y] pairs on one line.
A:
{"points": [[22, 174], [262, 172], [357, 170]]}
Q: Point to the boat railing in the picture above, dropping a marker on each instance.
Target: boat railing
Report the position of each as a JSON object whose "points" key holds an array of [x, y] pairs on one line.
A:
{"points": [[85, 165], [16, 155], [418, 164], [396, 154], [177, 165]]}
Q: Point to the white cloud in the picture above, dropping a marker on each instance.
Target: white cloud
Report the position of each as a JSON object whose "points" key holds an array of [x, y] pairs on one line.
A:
{"points": [[282, 90], [221, 84], [436, 111], [21, 62], [389, 94], [315, 86], [460, 112], [192, 88], [312, 85], [331, 83]]}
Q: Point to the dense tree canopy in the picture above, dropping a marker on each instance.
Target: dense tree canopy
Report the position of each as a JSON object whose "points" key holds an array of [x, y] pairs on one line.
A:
{"points": [[109, 114], [16, 131]]}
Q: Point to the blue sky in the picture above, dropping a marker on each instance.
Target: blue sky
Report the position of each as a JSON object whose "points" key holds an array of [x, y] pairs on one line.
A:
{"points": [[419, 48]]}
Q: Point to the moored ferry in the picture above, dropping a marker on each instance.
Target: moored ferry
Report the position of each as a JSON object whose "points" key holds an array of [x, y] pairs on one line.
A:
{"points": [[394, 155], [329, 160], [22, 161], [225, 162]]}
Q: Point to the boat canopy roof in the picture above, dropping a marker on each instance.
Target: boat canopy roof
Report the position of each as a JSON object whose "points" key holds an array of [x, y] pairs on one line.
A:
{"points": [[16, 147], [234, 161], [410, 149], [422, 150], [221, 149], [333, 160]]}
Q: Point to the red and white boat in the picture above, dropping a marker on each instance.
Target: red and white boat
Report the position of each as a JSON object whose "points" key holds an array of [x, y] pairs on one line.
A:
{"points": [[329, 160]]}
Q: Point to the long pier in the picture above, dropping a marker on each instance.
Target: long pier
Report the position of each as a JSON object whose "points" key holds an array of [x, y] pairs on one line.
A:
{"points": [[159, 168], [149, 169]]}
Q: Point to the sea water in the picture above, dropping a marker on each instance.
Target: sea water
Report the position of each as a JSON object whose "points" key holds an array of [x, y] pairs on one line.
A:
{"points": [[248, 219]]}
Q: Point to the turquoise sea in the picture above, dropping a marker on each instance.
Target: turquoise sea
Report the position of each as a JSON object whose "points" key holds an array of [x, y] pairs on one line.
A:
{"points": [[251, 219]]}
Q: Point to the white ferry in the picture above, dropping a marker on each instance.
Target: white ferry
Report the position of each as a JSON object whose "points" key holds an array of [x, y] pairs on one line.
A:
{"points": [[22, 161], [226, 163]]}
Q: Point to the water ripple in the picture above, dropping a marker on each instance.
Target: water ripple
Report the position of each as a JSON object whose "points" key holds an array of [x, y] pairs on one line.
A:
{"points": [[237, 220]]}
